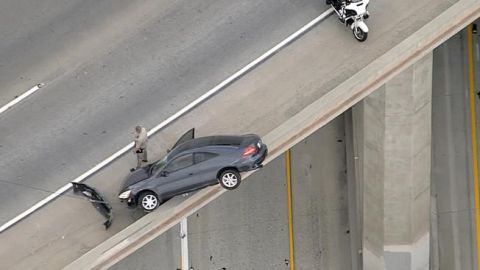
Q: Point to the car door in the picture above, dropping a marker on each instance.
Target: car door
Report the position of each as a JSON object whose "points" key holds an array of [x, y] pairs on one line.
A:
{"points": [[187, 136], [176, 176], [206, 168]]}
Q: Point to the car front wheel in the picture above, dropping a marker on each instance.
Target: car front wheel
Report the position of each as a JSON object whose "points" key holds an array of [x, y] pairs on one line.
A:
{"points": [[229, 179], [148, 201]]}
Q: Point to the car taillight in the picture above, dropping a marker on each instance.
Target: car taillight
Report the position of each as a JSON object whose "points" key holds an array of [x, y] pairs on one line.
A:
{"points": [[249, 151]]}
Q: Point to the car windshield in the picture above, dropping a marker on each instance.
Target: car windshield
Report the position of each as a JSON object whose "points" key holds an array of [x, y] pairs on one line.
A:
{"points": [[158, 166]]}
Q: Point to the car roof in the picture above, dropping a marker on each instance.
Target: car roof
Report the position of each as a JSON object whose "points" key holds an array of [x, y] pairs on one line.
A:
{"points": [[221, 140], [211, 141]]}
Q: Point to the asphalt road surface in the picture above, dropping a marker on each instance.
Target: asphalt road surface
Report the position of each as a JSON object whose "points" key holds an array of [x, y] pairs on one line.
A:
{"points": [[278, 89], [109, 66]]}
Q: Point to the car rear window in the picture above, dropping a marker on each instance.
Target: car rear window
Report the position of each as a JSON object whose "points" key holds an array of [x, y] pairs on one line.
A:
{"points": [[225, 140]]}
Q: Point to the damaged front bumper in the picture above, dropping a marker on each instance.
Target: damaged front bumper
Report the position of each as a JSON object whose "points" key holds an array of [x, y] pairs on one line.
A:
{"points": [[97, 201]]}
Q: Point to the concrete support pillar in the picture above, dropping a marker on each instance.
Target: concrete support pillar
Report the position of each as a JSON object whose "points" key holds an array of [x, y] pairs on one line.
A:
{"points": [[407, 167], [389, 189], [368, 126]]}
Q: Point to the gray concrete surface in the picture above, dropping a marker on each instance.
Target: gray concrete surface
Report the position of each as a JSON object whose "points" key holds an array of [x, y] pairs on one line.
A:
{"points": [[391, 131], [399, 260], [305, 75], [451, 156], [162, 253], [320, 200], [245, 229], [109, 66], [248, 228], [354, 187], [368, 131], [407, 167]]}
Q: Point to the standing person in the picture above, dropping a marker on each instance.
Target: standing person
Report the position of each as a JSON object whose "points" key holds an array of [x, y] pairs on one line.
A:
{"points": [[140, 147]]}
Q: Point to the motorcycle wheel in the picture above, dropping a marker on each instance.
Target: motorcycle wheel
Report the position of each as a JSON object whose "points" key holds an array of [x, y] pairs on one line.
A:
{"points": [[359, 34]]}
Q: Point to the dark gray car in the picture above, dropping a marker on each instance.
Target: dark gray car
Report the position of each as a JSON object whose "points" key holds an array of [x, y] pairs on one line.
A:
{"points": [[192, 164]]}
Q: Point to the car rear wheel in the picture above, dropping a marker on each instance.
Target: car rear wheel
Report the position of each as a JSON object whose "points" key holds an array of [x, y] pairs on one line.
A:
{"points": [[229, 179], [148, 201]]}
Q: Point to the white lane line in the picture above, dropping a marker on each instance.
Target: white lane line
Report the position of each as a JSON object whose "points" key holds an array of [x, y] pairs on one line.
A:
{"points": [[172, 118], [244, 70], [21, 97]]}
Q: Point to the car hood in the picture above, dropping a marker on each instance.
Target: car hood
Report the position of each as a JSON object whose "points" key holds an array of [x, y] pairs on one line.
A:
{"points": [[135, 177]]}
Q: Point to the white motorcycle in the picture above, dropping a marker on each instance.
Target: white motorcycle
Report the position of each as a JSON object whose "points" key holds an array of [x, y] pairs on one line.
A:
{"points": [[353, 13]]}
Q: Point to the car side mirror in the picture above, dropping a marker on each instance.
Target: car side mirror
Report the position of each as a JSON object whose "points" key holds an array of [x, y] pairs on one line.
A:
{"points": [[164, 173], [168, 150]]}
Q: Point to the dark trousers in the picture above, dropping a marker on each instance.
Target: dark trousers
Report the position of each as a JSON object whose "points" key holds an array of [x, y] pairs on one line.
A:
{"points": [[141, 156]]}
